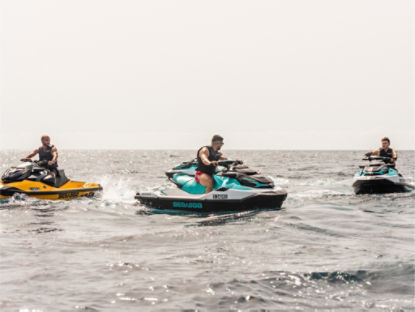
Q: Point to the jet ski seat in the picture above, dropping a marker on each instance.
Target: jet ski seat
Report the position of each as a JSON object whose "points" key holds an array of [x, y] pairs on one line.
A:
{"points": [[61, 178], [57, 181], [248, 177]]}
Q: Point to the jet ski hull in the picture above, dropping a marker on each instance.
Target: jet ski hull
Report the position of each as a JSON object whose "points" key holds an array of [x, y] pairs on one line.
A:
{"points": [[236, 188], [379, 185], [215, 201], [379, 178], [71, 189]]}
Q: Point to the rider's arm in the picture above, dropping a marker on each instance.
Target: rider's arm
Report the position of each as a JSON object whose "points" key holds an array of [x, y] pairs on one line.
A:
{"points": [[395, 155], [31, 154], [223, 157], [204, 154], [374, 153], [55, 155]]}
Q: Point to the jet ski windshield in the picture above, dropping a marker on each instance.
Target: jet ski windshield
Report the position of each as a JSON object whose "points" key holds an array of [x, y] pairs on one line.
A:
{"points": [[18, 173]]}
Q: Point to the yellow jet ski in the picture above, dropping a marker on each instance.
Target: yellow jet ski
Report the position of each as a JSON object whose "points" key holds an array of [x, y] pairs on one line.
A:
{"points": [[34, 180]]}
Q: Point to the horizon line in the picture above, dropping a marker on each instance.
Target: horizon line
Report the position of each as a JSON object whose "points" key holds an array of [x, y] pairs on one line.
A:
{"points": [[190, 149]]}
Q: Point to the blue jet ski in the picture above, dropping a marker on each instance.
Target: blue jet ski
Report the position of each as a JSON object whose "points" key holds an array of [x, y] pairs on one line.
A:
{"points": [[379, 176], [236, 187]]}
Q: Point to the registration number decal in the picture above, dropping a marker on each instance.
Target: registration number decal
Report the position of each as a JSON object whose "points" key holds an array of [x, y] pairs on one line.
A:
{"points": [[68, 195], [220, 196]]}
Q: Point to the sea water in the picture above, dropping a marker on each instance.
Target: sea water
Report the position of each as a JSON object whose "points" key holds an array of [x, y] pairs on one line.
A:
{"points": [[325, 249]]}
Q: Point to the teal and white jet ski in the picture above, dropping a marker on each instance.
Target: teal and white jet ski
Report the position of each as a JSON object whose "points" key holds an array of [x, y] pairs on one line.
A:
{"points": [[379, 176], [236, 187]]}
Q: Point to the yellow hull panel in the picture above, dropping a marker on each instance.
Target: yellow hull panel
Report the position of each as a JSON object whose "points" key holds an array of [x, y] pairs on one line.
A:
{"points": [[71, 189]]}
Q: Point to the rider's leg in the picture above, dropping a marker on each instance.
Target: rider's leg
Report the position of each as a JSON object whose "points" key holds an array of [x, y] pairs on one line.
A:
{"points": [[207, 181]]}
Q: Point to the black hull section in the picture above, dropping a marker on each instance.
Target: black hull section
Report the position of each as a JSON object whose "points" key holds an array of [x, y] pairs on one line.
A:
{"points": [[378, 187], [272, 200]]}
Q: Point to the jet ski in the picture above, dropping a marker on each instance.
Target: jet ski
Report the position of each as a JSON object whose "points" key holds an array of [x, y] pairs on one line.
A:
{"points": [[236, 187], [379, 176], [33, 180]]}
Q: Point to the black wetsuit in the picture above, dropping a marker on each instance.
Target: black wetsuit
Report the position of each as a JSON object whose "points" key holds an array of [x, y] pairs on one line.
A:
{"points": [[213, 156], [45, 156], [387, 153]]}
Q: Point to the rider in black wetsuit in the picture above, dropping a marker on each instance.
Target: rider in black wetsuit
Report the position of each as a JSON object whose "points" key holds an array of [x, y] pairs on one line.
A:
{"points": [[48, 155], [207, 161], [385, 151]]}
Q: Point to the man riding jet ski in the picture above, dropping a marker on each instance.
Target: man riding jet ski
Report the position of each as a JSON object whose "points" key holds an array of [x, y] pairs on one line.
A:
{"points": [[48, 156], [42, 178], [385, 151], [207, 160], [235, 187], [380, 175], [35, 181]]}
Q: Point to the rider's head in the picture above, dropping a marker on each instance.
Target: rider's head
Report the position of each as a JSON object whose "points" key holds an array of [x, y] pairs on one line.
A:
{"points": [[385, 142], [217, 142], [45, 139]]}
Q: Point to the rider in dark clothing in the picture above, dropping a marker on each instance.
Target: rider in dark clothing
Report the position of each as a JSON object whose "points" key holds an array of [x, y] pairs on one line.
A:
{"points": [[385, 151], [48, 155], [207, 161], [213, 155]]}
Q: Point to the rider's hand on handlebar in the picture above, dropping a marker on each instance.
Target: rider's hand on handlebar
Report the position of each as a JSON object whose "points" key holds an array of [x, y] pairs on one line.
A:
{"points": [[50, 163], [214, 163], [388, 160], [25, 159], [42, 163], [239, 161]]}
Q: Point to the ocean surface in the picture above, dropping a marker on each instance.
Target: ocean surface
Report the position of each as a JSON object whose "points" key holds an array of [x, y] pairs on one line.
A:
{"points": [[326, 249]]}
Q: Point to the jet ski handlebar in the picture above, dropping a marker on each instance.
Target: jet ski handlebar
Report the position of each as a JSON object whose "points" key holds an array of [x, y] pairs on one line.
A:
{"points": [[38, 162], [26, 160], [228, 162], [370, 158]]}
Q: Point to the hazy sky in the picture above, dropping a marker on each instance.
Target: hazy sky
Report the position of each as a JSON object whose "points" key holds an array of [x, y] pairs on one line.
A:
{"points": [[168, 74]]}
